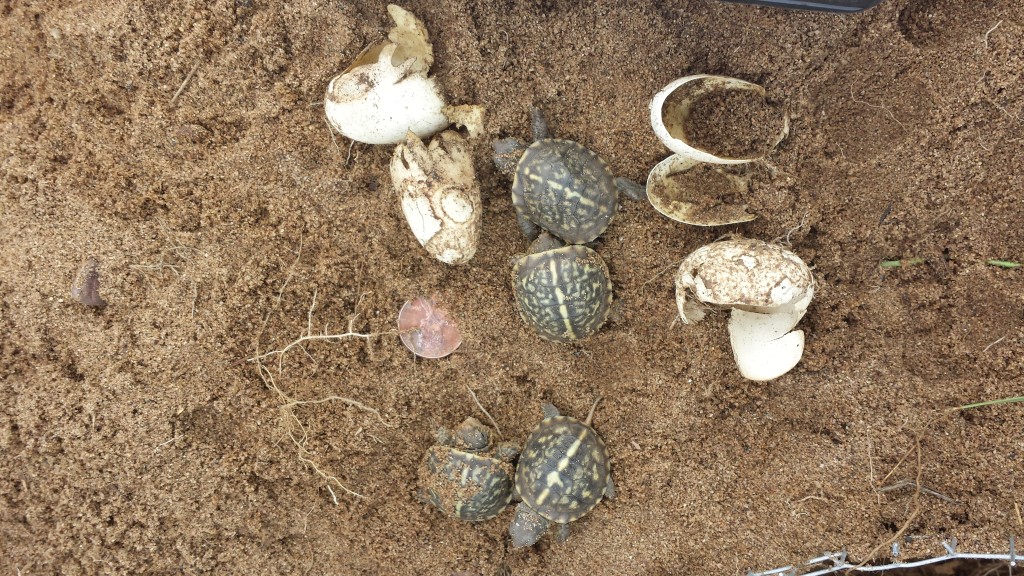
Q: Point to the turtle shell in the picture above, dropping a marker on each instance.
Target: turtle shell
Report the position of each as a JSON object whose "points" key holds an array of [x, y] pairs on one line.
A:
{"points": [[464, 485], [563, 470], [564, 293], [565, 188]]}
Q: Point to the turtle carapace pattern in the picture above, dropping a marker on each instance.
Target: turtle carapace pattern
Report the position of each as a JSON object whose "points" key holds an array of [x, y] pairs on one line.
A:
{"points": [[563, 474], [565, 188], [464, 477], [564, 293], [561, 185]]}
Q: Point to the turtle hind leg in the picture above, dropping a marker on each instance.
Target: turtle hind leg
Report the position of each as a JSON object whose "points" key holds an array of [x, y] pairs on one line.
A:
{"points": [[631, 189], [506, 155], [563, 533], [609, 488], [527, 527]]}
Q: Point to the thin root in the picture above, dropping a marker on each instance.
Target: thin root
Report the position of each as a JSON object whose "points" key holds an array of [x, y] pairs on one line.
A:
{"points": [[484, 410], [915, 502], [296, 430]]}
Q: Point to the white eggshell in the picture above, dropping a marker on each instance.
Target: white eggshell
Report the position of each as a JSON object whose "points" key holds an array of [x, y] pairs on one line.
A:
{"points": [[745, 273], [668, 116], [378, 103], [768, 289], [440, 196], [762, 344]]}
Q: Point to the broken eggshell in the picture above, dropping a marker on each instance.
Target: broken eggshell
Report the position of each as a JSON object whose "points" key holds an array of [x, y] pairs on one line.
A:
{"points": [[439, 194], [670, 108], [768, 289], [426, 330], [673, 197], [386, 92]]}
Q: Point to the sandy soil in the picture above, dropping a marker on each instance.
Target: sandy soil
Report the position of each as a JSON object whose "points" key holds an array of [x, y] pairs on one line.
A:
{"points": [[139, 438]]}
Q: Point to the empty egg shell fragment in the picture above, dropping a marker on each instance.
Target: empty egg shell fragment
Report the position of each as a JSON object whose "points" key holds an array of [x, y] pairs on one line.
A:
{"points": [[670, 111], [439, 194], [386, 92], [673, 193], [768, 290]]}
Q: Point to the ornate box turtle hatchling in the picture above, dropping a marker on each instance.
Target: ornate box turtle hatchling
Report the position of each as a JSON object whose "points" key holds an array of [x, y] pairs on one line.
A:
{"points": [[464, 476], [563, 292], [561, 185], [562, 474]]}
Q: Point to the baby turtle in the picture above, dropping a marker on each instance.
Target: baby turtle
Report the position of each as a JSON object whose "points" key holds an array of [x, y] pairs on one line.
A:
{"points": [[564, 292], [464, 477], [561, 185], [562, 474]]}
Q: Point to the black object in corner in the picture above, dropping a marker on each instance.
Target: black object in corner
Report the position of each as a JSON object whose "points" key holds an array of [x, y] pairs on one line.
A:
{"points": [[825, 5]]}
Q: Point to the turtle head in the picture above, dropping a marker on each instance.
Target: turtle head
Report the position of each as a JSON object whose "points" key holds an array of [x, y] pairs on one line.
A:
{"points": [[538, 124], [473, 435], [507, 153], [527, 527], [545, 242], [549, 410], [506, 451]]}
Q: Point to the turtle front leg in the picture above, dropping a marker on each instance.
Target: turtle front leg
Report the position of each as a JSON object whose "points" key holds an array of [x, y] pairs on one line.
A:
{"points": [[527, 527], [530, 230], [506, 155], [631, 189]]}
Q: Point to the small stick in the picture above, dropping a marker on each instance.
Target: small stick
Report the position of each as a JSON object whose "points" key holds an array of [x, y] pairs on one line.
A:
{"points": [[916, 501], [1020, 520], [162, 444], [993, 344], [184, 84], [871, 471], [925, 490], [590, 415], [484, 410]]}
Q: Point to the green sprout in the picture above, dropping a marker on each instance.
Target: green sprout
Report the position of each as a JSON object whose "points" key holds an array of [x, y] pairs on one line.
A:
{"points": [[1010, 400], [1003, 263], [901, 263]]}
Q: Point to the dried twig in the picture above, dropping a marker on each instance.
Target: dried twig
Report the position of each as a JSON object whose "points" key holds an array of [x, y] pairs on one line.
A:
{"points": [[184, 84], [915, 502]]}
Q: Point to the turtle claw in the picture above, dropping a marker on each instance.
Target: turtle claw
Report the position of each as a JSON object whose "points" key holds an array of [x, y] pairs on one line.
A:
{"points": [[609, 490], [530, 230]]}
